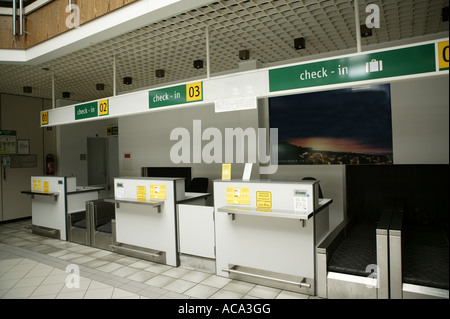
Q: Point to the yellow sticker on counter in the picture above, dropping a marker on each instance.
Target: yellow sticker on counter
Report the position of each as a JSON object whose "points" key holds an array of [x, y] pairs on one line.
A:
{"points": [[238, 195], [264, 199], [141, 194], [36, 184], [443, 55], [158, 191], [46, 187]]}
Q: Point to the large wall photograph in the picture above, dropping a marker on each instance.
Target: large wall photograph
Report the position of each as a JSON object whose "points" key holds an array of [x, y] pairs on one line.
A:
{"points": [[344, 126]]}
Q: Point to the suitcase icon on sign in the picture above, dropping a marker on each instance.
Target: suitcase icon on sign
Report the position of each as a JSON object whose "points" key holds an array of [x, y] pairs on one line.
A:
{"points": [[374, 66]]}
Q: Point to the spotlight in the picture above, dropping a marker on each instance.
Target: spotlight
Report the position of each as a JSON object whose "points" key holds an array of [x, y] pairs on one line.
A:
{"points": [[244, 54], [299, 43], [127, 80], [27, 89], [198, 64], [159, 73], [445, 14], [66, 95], [365, 31], [100, 86]]}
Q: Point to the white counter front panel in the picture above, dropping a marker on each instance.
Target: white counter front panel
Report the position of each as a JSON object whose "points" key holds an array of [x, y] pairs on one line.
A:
{"points": [[279, 244], [140, 224]]}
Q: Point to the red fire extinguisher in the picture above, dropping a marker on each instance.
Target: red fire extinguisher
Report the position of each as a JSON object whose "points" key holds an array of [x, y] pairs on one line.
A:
{"points": [[50, 164]]}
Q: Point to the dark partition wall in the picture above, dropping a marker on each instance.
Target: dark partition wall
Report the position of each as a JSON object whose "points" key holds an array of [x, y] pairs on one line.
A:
{"points": [[422, 189], [168, 172]]}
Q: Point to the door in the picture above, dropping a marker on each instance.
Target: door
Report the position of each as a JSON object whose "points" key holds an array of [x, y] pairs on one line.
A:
{"points": [[97, 160]]}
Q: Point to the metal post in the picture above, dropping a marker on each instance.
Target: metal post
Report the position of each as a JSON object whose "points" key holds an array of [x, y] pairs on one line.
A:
{"points": [[53, 91], [358, 27], [14, 17], [21, 16], [207, 54], [114, 75]]}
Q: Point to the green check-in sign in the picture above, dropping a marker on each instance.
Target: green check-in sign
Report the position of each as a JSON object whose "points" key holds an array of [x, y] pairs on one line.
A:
{"points": [[180, 94], [363, 67], [84, 111]]}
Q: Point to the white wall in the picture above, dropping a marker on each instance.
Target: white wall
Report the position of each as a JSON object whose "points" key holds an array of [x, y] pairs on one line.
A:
{"points": [[72, 143], [146, 138], [21, 114], [420, 120]]}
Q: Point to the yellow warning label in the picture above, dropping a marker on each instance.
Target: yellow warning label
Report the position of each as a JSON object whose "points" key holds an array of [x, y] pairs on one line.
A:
{"points": [[141, 194], [443, 55], [46, 187], [238, 195], [36, 184], [158, 191], [264, 199]]}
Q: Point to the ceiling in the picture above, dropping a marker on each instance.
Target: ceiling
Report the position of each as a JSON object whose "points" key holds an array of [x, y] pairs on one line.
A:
{"points": [[266, 28]]}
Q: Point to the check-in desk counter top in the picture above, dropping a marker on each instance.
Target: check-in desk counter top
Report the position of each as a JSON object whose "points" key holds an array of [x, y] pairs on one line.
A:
{"points": [[53, 197], [146, 217], [267, 231]]}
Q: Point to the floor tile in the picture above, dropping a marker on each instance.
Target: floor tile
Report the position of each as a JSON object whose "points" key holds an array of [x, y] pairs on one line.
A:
{"points": [[176, 272], [224, 294], [291, 295], [196, 276], [43, 290], [142, 264], [216, 281], [29, 282], [179, 285], [264, 292], [239, 287], [100, 293], [109, 267], [18, 293], [160, 281], [201, 291], [141, 276], [123, 294], [71, 294], [124, 271]]}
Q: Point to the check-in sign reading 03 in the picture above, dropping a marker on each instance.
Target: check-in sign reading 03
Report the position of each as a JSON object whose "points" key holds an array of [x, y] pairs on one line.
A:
{"points": [[377, 65], [179, 94]]}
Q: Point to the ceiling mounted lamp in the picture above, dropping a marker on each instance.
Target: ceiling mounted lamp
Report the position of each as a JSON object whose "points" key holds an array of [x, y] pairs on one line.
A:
{"points": [[66, 95], [27, 89], [127, 80], [198, 64], [244, 54], [160, 73], [365, 31], [299, 43], [445, 14], [100, 86]]}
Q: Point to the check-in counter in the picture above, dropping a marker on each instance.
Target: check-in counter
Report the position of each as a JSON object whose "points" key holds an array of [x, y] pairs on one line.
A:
{"points": [[53, 199], [146, 218], [267, 231]]}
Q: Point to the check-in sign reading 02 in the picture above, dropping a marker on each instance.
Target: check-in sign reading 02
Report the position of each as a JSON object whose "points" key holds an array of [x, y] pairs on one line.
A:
{"points": [[85, 111], [377, 65], [179, 94]]}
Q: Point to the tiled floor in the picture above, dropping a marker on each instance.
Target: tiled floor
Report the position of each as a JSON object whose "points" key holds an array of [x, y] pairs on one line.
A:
{"points": [[35, 267]]}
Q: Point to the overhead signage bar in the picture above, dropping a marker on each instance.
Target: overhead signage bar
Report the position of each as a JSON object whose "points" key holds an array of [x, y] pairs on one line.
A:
{"points": [[409, 61]]}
